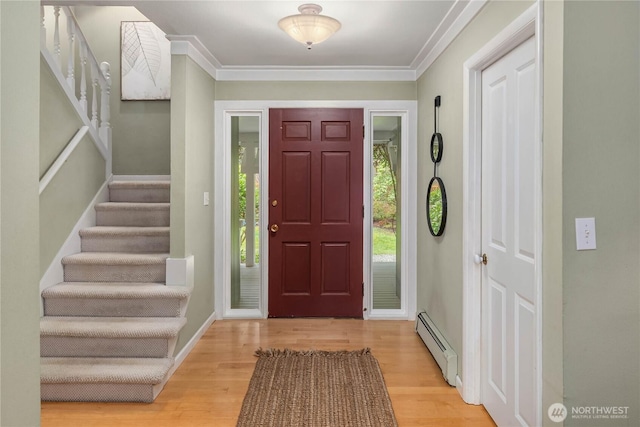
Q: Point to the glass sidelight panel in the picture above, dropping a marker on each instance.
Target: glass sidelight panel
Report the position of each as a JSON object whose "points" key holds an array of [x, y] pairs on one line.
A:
{"points": [[386, 196], [245, 212]]}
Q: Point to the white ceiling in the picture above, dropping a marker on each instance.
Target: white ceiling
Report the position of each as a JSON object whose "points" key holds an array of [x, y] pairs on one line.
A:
{"points": [[398, 36]]}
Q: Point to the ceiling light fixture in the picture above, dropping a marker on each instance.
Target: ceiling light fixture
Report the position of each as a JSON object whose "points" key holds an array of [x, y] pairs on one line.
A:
{"points": [[309, 27]]}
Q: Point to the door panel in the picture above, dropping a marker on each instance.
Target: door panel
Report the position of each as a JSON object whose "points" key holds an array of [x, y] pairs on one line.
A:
{"points": [[336, 173], [509, 230], [315, 200], [296, 188], [296, 269]]}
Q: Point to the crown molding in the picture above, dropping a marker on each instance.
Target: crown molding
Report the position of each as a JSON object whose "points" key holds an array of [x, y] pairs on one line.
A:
{"points": [[194, 49], [458, 17], [315, 74]]}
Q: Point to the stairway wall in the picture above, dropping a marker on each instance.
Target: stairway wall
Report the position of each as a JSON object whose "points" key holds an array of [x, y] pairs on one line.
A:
{"points": [[58, 119], [141, 143], [76, 184]]}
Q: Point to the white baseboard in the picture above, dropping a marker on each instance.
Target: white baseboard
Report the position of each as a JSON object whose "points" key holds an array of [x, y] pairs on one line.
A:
{"points": [[141, 177], [190, 345], [459, 385], [55, 272]]}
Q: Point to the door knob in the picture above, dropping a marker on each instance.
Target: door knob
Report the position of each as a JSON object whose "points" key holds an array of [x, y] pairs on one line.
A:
{"points": [[480, 259], [274, 228]]}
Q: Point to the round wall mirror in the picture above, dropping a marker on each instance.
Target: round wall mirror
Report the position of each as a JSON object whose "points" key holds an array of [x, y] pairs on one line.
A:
{"points": [[436, 206], [436, 147]]}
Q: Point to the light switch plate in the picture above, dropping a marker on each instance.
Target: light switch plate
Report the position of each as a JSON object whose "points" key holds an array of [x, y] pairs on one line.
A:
{"points": [[585, 234], [206, 198]]}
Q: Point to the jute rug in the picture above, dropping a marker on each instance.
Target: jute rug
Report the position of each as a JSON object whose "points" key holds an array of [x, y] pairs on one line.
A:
{"points": [[316, 389]]}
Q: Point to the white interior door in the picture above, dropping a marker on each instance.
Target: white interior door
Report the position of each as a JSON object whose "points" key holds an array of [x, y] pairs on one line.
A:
{"points": [[509, 237]]}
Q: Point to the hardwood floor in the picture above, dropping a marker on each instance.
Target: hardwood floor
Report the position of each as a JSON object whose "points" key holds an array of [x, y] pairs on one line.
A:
{"points": [[208, 388]]}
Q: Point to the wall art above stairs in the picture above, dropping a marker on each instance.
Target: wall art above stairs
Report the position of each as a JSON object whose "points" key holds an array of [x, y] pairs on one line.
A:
{"points": [[110, 329]]}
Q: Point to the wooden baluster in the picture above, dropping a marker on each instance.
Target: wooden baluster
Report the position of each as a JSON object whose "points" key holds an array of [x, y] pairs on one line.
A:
{"points": [[56, 35], [105, 116], [83, 76], [105, 110], [43, 30], [94, 95], [71, 32]]}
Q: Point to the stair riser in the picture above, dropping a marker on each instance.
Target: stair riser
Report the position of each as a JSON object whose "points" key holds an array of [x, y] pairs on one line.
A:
{"points": [[142, 195], [133, 218], [129, 244], [105, 307], [115, 273], [100, 392], [55, 346]]}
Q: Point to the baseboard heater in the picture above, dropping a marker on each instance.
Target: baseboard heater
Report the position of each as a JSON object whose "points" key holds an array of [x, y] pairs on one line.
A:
{"points": [[440, 349]]}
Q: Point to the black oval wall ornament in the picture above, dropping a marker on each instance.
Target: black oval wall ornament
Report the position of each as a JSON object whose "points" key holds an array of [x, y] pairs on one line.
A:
{"points": [[436, 206], [436, 147]]}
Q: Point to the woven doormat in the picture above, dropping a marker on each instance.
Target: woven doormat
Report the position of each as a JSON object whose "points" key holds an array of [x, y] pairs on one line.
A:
{"points": [[316, 389]]}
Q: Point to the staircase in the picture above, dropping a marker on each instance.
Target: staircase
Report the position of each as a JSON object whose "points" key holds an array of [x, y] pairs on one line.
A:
{"points": [[110, 329]]}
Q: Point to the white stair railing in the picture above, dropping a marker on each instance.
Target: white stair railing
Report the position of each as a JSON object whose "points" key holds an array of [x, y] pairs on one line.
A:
{"points": [[79, 57]]}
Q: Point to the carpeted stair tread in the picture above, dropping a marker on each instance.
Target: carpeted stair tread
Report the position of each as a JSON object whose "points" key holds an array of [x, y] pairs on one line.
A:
{"points": [[140, 191], [96, 370], [112, 327], [114, 258], [102, 290], [116, 231], [132, 206], [145, 185]]}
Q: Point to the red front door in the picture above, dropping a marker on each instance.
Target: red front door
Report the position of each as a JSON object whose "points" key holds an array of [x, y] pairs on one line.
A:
{"points": [[315, 212]]}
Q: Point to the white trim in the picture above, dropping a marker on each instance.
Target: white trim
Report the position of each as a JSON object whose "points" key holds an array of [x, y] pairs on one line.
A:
{"points": [[141, 178], [222, 216], [184, 352], [194, 49], [525, 26], [62, 157], [316, 74], [180, 271], [456, 20], [539, 126], [55, 272], [408, 211], [223, 112]]}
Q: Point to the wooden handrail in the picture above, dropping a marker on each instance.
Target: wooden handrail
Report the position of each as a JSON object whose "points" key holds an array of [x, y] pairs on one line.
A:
{"points": [[62, 158]]}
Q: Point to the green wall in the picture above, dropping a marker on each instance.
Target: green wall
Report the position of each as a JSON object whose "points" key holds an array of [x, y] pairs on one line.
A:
{"points": [[67, 196], [141, 131], [318, 90], [58, 119], [19, 264], [192, 136], [76, 184], [601, 179], [440, 270]]}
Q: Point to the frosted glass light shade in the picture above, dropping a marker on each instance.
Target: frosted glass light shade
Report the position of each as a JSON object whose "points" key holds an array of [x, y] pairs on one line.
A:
{"points": [[309, 27]]}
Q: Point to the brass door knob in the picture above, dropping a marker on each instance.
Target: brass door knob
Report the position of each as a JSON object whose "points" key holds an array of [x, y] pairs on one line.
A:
{"points": [[274, 228]]}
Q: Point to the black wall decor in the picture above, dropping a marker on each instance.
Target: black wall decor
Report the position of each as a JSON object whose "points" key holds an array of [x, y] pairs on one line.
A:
{"points": [[436, 194]]}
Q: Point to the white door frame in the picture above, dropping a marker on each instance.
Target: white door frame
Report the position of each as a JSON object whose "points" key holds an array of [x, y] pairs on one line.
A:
{"points": [[223, 111], [525, 26]]}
